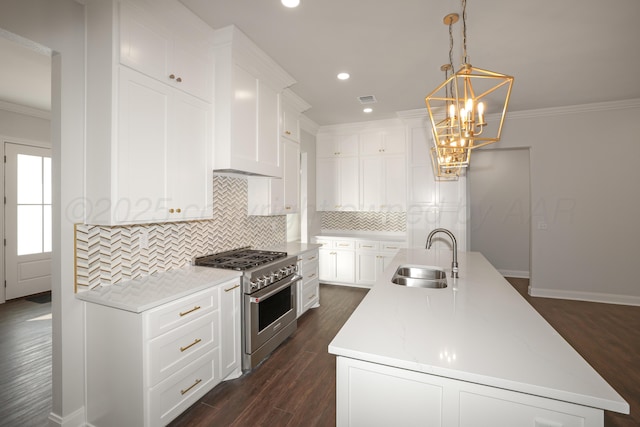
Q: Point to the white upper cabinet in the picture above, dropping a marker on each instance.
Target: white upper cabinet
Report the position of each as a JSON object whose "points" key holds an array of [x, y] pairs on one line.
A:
{"points": [[291, 107], [148, 149], [247, 85], [337, 145], [383, 181], [164, 55]]}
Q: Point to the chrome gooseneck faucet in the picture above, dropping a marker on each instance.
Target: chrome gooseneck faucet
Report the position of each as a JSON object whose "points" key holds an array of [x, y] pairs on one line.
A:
{"points": [[454, 264]]}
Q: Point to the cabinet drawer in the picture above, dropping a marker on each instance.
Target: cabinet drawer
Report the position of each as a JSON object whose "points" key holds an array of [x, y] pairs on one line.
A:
{"points": [[174, 395], [180, 312], [310, 293], [308, 258], [174, 350], [310, 272], [343, 244], [367, 245], [392, 246]]}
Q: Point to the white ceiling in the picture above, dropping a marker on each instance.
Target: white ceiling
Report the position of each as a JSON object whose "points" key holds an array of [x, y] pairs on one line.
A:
{"points": [[25, 75], [561, 53]]}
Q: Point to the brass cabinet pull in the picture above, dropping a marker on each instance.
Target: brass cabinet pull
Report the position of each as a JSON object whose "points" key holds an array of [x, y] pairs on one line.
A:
{"points": [[312, 275], [232, 288], [343, 244], [197, 340], [184, 313], [311, 258], [312, 297], [392, 247], [287, 132], [172, 76], [178, 210], [171, 210], [179, 79], [186, 390], [288, 208], [367, 246]]}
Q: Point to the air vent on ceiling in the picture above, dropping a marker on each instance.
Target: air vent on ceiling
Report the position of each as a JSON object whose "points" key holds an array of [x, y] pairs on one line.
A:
{"points": [[369, 99]]}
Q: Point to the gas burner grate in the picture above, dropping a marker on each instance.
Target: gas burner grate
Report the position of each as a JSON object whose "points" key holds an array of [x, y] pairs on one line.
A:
{"points": [[240, 259]]}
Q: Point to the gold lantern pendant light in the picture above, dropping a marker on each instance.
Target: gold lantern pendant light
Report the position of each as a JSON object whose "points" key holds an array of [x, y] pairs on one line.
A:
{"points": [[447, 156], [466, 116]]}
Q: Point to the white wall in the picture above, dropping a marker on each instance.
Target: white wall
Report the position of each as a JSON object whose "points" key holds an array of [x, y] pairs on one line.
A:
{"points": [[314, 219], [584, 189], [59, 26], [499, 208]]}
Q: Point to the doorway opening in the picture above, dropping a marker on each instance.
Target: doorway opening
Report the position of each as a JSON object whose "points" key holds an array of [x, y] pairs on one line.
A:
{"points": [[500, 209]]}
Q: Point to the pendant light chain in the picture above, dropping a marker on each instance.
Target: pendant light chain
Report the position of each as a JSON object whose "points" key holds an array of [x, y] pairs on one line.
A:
{"points": [[464, 32]]}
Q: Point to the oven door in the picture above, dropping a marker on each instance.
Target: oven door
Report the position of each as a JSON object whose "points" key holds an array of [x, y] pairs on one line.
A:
{"points": [[269, 310]]}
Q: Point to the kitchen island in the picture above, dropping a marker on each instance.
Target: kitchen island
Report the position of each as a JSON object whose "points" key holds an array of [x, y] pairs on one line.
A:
{"points": [[472, 354]]}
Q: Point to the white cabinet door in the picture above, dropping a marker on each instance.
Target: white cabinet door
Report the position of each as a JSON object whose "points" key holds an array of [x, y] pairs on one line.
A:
{"points": [[143, 111], [291, 177], [349, 183], [345, 266], [189, 177], [394, 183], [230, 300], [289, 122], [327, 265], [366, 268], [327, 196], [144, 45], [373, 183]]}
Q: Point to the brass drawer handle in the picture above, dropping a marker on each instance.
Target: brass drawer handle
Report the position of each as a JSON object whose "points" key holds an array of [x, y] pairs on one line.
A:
{"points": [[184, 313], [343, 244], [182, 349], [311, 297], [311, 258], [392, 247], [312, 275], [287, 132], [186, 390], [232, 288], [367, 246]]}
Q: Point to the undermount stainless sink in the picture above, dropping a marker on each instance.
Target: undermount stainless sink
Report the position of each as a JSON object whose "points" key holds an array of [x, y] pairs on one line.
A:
{"points": [[419, 276]]}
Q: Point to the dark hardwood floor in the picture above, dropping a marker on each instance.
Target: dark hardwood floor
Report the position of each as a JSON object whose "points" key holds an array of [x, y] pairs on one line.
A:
{"points": [[296, 385], [606, 335], [25, 362]]}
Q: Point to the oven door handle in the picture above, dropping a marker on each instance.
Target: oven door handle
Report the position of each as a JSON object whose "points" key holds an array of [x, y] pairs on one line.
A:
{"points": [[275, 288]]}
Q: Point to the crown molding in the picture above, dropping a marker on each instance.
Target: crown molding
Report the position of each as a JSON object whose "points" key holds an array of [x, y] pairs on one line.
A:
{"points": [[575, 109], [27, 111], [361, 126], [293, 99]]}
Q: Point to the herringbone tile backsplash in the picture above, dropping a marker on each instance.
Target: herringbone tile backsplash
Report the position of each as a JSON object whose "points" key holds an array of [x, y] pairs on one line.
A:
{"points": [[108, 255], [365, 221]]}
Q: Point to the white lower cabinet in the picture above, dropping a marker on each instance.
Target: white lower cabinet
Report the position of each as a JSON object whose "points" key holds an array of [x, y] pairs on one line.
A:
{"points": [[144, 369], [374, 395], [309, 286], [354, 261], [337, 261]]}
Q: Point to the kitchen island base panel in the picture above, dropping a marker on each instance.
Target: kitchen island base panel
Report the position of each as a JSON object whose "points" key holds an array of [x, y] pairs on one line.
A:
{"points": [[370, 394]]}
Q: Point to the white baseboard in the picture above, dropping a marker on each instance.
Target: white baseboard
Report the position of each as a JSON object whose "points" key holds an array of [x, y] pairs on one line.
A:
{"points": [[75, 419], [515, 273], [585, 296]]}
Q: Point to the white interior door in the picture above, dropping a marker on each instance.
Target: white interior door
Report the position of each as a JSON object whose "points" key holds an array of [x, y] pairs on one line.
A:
{"points": [[28, 222]]}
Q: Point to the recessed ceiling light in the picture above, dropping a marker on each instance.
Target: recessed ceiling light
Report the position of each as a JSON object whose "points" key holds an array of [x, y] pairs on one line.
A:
{"points": [[290, 3], [343, 76], [368, 110]]}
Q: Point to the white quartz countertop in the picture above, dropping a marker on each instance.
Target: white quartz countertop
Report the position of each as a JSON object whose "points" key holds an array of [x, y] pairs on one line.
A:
{"points": [[145, 293], [478, 329]]}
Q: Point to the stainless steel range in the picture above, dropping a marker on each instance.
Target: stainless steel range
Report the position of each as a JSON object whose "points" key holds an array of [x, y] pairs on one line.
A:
{"points": [[269, 298]]}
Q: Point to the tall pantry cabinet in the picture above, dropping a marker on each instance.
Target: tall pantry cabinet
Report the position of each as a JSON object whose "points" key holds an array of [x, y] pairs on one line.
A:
{"points": [[149, 113]]}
